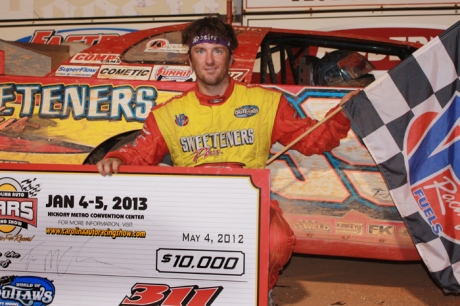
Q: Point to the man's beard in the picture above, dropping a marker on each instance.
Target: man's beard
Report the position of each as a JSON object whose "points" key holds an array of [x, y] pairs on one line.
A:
{"points": [[212, 80]]}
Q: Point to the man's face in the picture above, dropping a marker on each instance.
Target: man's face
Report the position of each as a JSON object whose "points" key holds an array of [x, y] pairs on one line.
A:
{"points": [[210, 63]]}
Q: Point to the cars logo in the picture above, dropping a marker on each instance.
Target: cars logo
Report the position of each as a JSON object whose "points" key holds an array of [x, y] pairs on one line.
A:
{"points": [[18, 208]]}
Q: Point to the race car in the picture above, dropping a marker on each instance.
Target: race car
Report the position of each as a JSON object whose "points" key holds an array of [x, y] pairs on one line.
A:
{"points": [[97, 99]]}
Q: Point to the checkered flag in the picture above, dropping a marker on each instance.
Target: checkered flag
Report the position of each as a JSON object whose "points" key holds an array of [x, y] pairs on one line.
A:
{"points": [[409, 119]]}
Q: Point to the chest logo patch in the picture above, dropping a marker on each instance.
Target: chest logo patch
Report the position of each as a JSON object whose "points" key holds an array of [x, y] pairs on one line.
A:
{"points": [[181, 120], [246, 111]]}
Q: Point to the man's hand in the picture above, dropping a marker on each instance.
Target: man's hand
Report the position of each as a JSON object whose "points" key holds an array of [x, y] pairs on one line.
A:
{"points": [[348, 96], [107, 166]]}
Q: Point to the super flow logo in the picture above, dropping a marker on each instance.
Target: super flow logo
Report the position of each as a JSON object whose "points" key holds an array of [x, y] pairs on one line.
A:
{"points": [[18, 207]]}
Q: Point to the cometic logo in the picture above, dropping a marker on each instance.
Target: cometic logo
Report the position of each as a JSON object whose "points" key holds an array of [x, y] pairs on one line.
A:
{"points": [[124, 72], [246, 111]]}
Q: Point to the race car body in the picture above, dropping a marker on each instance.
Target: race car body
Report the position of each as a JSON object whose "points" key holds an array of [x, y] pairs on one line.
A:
{"points": [[97, 99]]}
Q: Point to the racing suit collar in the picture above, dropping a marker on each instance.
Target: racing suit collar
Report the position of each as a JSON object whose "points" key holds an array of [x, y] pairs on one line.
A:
{"points": [[214, 100]]}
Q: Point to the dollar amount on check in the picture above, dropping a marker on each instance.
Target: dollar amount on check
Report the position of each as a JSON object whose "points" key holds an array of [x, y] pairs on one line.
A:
{"points": [[200, 261]]}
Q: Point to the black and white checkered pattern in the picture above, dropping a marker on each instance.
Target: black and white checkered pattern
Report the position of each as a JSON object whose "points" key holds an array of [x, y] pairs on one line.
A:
{"points": [[382, 112]]}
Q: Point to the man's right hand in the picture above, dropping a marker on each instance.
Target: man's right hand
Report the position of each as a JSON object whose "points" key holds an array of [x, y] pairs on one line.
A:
{"points": [[107, 166]]}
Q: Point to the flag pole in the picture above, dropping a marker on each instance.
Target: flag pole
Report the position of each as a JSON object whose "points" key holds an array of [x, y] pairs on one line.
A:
{"points": [[338, 109]]}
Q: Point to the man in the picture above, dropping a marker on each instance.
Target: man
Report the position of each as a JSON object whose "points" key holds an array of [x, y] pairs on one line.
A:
{"points": [[226, 124]]}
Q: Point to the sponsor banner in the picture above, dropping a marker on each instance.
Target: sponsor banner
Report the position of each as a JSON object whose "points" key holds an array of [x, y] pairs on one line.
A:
{"points": [[381, 230], [173, 73], [238, 74], [261, 5], [186, 73], [124, 72], [378, 238], [134, 238], [354, 228], [163, 45], [76, 71], [95, 58]]}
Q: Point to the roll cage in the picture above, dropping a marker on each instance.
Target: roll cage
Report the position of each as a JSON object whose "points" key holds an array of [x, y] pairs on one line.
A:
{"points": [[290, 48]]}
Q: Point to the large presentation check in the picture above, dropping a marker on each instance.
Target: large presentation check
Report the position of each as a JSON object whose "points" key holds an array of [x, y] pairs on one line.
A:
{"points": [[161, 236]]}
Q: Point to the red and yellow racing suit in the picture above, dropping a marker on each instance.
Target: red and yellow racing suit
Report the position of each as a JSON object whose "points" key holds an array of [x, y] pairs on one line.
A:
{"points": [[237, 128]]}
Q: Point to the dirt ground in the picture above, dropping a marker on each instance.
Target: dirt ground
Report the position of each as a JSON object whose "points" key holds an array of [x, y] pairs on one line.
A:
{"points": [[317, 281]]}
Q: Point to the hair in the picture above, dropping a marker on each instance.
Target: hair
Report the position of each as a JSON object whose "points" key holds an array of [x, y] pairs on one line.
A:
{"points": [[210, 25]]}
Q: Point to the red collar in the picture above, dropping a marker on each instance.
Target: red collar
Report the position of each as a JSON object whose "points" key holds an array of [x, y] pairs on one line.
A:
{"points": [[214, 100]]}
